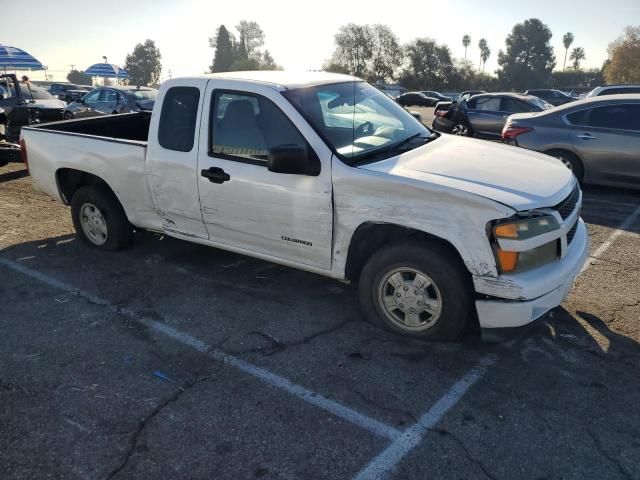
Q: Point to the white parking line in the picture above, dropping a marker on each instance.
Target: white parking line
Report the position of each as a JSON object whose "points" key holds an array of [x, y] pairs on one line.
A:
{"points": [[346, 413], [387, 460], [382, 465], [626, 223]]}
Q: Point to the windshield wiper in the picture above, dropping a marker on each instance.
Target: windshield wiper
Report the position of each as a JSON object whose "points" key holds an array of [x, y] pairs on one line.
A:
{"points": [[394, 147]]}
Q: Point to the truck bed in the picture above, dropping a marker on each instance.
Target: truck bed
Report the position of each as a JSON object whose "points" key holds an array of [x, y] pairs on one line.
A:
{"points": [[112, 148], [127, 126]]}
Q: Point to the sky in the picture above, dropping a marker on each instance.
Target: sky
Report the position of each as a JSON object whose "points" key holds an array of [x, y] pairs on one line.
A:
{"points": [[299, 34]]}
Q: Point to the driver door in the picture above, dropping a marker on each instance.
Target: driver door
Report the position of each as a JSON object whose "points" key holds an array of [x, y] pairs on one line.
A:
{"points": [[285, 216]]}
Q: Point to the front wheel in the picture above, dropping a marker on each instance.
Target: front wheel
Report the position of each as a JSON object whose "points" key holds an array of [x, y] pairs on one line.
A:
{"points": [[68, 116], [99, 219], [417, 289]]}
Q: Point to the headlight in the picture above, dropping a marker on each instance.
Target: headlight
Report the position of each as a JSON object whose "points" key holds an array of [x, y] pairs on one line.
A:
{"points": [[524, 229], [513, 262]]}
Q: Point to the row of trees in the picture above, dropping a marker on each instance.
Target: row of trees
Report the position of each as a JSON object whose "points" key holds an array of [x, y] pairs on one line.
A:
{"points": [[375, 53]]}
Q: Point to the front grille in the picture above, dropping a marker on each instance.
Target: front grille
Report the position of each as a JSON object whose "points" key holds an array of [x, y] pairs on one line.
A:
{"points": [[571, 233], [568, 205]]}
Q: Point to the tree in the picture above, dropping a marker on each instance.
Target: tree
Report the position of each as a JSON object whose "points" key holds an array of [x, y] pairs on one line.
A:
{"points": [[428, 65], [223, 43], [386, 54], [623, 64], [79, 78], [485, 52], [466, 41], [143, 64], [577, 55], [242, 54], [251, 38], [354, 48], [529, 58], [567, 40]]}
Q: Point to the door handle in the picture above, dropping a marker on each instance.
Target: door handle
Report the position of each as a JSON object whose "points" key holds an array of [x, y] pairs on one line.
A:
{"points": [[587, 136], [215, 175]]}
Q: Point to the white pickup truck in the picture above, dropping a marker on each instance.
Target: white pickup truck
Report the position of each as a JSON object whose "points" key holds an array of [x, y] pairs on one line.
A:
{"points": [[324, 173]]}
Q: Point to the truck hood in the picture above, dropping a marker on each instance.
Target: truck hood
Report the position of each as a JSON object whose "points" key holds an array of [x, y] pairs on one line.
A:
{"points": [[519, 178]]}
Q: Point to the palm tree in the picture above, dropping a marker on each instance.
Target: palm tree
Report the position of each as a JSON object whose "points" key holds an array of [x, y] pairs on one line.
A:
{"points": [[466, 41], [485, 52], [567, 40], [577, 54]]}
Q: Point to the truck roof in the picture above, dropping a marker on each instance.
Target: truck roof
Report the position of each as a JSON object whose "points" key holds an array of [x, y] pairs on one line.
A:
{"points": [[285, 79]]}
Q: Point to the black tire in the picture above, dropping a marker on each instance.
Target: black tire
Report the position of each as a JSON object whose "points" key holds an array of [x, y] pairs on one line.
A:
{"points": [[69, 116], [446, 271], [119, 230], [571, 161]]}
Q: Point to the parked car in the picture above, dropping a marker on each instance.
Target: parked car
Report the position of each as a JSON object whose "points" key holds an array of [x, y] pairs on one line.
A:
{"points": [[68, 92], [554, 97], [597, 138], [613, 90], [443, 107], [484, 115], [21, 105], [417, 99], [440, 97], [438, 231], [111, 100]]}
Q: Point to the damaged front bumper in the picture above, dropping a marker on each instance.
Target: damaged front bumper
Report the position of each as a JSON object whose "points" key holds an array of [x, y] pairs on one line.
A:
{"points": [[519, 299]]}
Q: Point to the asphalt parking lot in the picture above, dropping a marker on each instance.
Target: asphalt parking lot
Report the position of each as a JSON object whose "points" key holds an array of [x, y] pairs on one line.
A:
{"points": [[174, 360]]}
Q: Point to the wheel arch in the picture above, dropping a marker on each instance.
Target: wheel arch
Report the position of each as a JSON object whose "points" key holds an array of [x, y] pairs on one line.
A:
{"points": [[69, 180], [369, 237], [573, 153]]}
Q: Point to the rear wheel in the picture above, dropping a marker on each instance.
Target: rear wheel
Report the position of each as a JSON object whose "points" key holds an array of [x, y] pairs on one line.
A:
{"points": [[99, 219], [571, 161], [417, 289], [461, 129]]}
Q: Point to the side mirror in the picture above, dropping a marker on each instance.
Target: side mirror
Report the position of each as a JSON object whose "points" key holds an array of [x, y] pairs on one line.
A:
{"points": [[292, 159]]}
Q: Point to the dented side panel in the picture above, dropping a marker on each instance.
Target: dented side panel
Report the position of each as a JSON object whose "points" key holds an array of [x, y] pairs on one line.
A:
{"points": [[456, 216]]}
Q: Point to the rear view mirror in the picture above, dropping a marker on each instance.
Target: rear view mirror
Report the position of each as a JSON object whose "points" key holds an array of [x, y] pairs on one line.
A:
{"points": [[292, 159]]}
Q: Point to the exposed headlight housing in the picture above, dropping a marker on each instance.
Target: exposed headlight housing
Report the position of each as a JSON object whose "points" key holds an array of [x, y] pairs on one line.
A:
{"points": [[527, 228]]}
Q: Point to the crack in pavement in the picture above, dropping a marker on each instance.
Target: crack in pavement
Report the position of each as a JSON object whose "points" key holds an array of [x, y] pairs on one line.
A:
{"points": [[277, 346], [142, 424], [607, 455], [471, 458]]}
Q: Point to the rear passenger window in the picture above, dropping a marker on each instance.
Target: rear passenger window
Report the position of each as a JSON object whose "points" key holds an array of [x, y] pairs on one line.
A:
{"points": [[491, 104], [512, 105], [178, 118], [617, 117], [245, 127]]}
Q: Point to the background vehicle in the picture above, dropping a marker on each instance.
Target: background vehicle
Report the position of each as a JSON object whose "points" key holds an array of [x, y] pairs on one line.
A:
{"points": [[442, 107], [437, 95], [22, 105], [112, 100], [68, 92], [262, 163], [598, 138], [554, 97], [484, 115], [417, 99], [613, 90]]}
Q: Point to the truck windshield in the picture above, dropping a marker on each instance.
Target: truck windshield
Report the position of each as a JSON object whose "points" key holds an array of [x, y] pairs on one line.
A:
{"points": [[358, 121]]}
